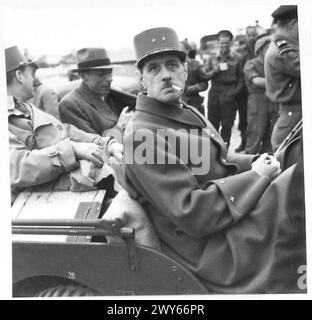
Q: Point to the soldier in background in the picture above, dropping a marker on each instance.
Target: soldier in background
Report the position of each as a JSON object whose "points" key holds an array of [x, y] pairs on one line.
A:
{"points": [[227, 81], [247, 53], [197, 80], [282, 72], [262, 112]]}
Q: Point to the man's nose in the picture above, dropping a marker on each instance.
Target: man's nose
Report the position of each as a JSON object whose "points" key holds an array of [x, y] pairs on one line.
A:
{"points": [[165, 75]]}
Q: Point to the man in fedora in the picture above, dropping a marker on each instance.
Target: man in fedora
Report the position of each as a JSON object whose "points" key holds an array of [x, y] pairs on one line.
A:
{"points": [[94, 107], [46, 154], [282, 72], [216, 222]]}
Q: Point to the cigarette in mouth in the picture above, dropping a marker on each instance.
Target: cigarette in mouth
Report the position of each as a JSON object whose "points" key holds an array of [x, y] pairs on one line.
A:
{"points": [[176, 87]]}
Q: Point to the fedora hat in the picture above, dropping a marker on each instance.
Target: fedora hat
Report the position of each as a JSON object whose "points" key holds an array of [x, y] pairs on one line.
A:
{"points": [[154, 41], [92, 58], [14, 59]]}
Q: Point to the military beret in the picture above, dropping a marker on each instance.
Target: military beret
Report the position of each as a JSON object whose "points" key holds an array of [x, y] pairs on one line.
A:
{"points": [[156, 41], [225, 33], [285, 12]]}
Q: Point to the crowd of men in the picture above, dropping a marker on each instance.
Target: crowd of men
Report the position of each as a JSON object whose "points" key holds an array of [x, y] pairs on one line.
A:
{"points": [[225, 224]]}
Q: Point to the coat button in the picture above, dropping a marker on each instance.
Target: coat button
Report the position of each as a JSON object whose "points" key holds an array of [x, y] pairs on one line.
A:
{"points": [[212, 135], [223, 160], [290, 113], [232, 198], [221, 181]]}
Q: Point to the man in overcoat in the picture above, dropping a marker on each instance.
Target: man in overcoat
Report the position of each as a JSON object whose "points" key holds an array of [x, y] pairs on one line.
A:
{"points": [[213, 221], [46, 154], [95, 107]]}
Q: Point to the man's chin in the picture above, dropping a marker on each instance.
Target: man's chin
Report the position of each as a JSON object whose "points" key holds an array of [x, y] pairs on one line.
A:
{"points": [[170, 98]]}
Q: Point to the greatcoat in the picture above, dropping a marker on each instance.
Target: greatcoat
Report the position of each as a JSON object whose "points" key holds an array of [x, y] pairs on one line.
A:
{"points": [[204, 221]]}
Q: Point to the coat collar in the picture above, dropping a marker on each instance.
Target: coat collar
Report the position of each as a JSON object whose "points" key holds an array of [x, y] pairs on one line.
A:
{"points": [[183, 114], [17, 107]]}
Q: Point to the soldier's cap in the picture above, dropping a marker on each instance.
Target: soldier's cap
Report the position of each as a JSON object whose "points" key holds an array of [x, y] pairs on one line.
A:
{"points": [[285, 12], [225, 33], [208, 38], [156, 41], [261, 42], [92, 59], [14, 59]]}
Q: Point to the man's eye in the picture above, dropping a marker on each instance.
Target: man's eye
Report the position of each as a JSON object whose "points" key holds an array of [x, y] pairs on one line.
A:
{"points": [[173, 65], [153, 68]]}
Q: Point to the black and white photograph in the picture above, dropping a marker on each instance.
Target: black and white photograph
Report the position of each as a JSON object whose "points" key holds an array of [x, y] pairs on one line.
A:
{"points": [[155, 148]]}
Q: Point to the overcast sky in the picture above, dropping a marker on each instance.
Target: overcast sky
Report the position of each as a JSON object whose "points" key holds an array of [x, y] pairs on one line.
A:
{"points": [[60, 26]]}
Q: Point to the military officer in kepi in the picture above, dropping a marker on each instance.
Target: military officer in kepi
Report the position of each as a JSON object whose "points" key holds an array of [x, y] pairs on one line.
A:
{"points": [[282, 72], [220, 223]]}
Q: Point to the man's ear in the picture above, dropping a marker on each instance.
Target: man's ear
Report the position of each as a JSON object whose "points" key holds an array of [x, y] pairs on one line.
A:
{"points": [[185, 69], [140, 77], [19, 75]]}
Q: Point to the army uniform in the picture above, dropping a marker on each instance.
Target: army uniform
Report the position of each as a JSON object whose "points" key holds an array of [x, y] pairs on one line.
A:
{"points": [[41, 154], [282, 72], [262, 112], [197, 81], [225, 86], [242, 98]]}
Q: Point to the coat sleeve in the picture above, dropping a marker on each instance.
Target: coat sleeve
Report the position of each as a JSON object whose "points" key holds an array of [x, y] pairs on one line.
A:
{"points": [[243, 161], [174, 191], [288, 61], [70, 113], [250, 71], [32, 167]]}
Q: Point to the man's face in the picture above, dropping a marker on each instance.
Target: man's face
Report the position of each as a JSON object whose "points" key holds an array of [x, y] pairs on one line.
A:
{"points": [[251, 33], [160, 74], [225, 44], [99, 81]]}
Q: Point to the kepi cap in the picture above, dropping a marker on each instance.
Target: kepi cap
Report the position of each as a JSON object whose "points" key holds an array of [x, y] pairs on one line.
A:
{"points": [[155, 41], [14, 59], [92, 59]]}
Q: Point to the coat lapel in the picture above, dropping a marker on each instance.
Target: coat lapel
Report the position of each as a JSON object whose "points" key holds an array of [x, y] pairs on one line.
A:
{"points": [[96, 102]]}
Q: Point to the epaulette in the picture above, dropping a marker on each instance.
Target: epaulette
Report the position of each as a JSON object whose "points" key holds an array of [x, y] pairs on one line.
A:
{"points": [[281, 43], [286, 49]]}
